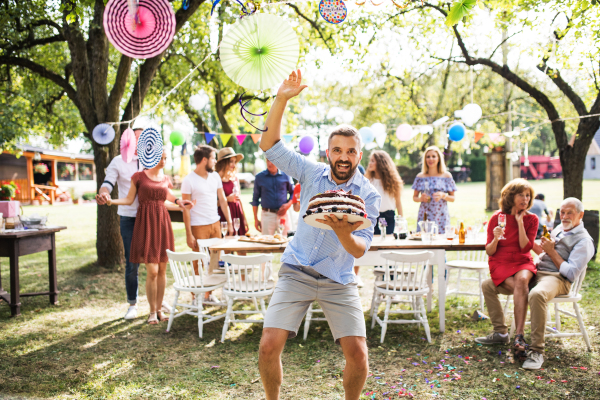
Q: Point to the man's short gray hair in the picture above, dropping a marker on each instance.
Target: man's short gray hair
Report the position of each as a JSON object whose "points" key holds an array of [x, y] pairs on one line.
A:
{"points": [[574, 201]]}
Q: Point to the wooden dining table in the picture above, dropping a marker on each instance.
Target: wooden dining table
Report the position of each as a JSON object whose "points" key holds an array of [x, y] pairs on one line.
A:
{"points": [[379, 245]]}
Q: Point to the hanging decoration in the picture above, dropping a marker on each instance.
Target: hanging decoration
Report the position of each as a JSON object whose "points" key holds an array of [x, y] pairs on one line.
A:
{"points": [[367, 135], [144, 34], [255, 137], [333, 11], [404, 132], [185, 4], [380, 133], [150, 147], [225, 137], [214, 4], [176, 138], [185, 165], [287, 138], [259, 51], [307, 143], [103, 134], [209, 136], [240, 138], [243, 108], [470, 114], [495, 137], [128, 144], [456, 132]]}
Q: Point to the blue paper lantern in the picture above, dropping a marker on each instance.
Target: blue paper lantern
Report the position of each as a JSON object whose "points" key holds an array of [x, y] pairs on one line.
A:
{"points": [[457, 131]]}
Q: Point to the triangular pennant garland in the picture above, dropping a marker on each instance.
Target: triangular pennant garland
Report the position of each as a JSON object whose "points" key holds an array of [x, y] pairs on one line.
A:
{"points": [[478, 136], [288, 138], [495, 137], [225, 138], [255, 137], [209, 136], [240, 138]]}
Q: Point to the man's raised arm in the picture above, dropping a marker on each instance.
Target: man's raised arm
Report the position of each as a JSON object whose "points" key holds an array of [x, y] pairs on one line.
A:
{"points": [[291, 87]]}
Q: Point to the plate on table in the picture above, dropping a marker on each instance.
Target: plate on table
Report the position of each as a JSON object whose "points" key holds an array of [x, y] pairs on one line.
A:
{"points": [[312, 220], [265, 239], [415, 236]]}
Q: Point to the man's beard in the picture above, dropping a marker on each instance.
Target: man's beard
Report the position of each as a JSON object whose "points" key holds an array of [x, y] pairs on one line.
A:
{"points": [[343, 175], [209, 169], [567, 224]]}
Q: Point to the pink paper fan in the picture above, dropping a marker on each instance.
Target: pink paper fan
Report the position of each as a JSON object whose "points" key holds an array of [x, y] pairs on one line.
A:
{"points": [[128, 145], [145, 34]]}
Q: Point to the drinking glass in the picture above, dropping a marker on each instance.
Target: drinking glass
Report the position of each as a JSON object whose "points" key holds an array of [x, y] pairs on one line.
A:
{"points": [[450, 235], [224, 228], [236, 225], [502, 224]]}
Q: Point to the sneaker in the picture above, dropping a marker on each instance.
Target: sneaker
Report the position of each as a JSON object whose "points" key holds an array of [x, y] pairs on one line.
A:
{"points": [[359, 281], [534, 360], [210, 299], [166, 308], [493, 338], [195, 302], [131, 313]]}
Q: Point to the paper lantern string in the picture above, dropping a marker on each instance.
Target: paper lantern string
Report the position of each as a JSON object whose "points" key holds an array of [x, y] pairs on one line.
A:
{"points": [[243, 108]]}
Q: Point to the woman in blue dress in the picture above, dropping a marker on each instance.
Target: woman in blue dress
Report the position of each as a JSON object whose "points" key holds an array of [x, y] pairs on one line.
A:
{"points": [[434, 188]]}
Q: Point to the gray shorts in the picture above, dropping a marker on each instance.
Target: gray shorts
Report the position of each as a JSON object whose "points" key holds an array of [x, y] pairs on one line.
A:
{"points": [[296, 290]]}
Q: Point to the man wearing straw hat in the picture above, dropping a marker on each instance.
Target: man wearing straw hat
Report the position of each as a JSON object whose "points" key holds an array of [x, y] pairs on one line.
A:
{"points": [[317, 264]]}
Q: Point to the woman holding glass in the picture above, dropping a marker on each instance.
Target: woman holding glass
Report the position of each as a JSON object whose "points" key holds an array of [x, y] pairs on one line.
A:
{"points": [[383, 175], [434, 187], [510, 237], [227, 160]]}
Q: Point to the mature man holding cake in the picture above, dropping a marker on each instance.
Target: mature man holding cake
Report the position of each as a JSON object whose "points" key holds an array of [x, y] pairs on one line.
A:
{"points": [[317, 264]]}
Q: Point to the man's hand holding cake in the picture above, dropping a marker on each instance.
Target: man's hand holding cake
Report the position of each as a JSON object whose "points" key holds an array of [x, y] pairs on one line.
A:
{"points": [[317, 264]]}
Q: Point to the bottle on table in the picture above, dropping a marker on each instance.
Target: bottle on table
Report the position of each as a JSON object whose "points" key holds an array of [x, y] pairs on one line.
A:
{"points": [[462, 233]]}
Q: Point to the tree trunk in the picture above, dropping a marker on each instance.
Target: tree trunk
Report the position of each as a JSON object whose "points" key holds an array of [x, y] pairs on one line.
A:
{"points": [[572, 158]]}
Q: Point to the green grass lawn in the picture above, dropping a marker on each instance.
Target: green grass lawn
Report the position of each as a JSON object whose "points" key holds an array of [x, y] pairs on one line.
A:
{"points": [[83, 349]]}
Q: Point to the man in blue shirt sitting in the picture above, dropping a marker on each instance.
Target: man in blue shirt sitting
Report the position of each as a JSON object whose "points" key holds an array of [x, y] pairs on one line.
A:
{"points": [[317, 264], [271, 190]]}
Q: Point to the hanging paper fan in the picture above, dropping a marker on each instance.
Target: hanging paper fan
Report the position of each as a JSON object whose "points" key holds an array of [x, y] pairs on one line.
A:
{"points": [[333, 11], [103, 134], [259, 51], [146, 33], [150, 147], [128, 145]]}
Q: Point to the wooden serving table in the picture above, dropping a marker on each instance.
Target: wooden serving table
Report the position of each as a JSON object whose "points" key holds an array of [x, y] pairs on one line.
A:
{"points": [[22, 243], [373, 257]]}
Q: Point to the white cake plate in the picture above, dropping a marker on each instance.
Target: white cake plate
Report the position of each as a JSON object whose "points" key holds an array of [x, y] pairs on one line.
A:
{"points": [[312, 220]]}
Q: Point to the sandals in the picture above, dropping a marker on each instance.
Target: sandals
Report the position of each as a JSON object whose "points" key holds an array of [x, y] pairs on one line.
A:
{"points": [[152, 319], [519, 345], [160, 316]]}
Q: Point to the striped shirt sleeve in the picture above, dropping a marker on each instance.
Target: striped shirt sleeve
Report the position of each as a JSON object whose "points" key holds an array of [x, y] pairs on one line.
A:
{"points": [[290, 162]]}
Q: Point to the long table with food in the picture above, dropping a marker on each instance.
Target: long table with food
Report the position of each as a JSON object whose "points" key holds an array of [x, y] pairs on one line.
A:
{"points": [[438, 246]]}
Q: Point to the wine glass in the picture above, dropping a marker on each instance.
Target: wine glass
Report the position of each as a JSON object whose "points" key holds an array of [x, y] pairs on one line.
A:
{"points": [[236, 225], [224, 228], [502, 224]]}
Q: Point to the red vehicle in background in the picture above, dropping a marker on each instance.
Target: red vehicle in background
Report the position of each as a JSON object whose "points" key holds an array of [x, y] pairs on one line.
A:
{"points": [[540, 167]]}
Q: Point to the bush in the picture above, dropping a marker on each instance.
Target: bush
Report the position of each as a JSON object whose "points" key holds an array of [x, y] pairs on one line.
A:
{"points": [[478, 169], [89, 196]]}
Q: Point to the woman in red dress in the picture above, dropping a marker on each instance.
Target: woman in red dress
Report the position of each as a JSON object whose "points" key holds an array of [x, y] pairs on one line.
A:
{"points": [[227, 160], [509, 248], [152, 233]]}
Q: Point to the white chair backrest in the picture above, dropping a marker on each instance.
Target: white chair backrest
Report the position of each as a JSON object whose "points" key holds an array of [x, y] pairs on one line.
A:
{"points": [[247, 273], [409, 270], [472, 255], [182, 268], [204, 244], [576, 286]]}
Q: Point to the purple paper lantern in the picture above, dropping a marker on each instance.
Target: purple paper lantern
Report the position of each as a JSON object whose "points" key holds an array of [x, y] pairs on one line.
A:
{"points": [[307, 143]]}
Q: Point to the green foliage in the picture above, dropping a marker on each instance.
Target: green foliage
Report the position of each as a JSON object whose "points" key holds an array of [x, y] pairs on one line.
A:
{"points": [[478, 169], [459, 10]]}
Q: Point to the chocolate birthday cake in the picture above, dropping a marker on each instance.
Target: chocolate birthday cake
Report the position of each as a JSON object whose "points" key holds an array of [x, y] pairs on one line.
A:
{"points": [[333, 201]]}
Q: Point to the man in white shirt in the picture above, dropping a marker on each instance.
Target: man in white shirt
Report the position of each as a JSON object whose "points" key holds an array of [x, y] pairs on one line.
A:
{"points": [[204, 187], [119, 172]]}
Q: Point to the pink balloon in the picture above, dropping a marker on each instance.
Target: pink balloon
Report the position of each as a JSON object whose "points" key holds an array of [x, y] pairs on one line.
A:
{"points": [[404, 132]]}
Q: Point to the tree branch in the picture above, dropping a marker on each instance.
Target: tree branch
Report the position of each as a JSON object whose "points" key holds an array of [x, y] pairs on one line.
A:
{"points": [[118, 89], [501, 43], [313, 24]]}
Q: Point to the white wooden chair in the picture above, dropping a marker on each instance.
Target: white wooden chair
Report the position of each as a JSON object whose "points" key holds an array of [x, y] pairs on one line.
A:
{"points": [[247, 277], [410, 272], [476, 261], [186, 280], [572, 297], [204, 245]]}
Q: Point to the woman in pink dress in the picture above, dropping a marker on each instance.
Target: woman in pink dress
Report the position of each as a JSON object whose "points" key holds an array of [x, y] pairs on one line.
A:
{"points": [[509, 248], [152, 233]]}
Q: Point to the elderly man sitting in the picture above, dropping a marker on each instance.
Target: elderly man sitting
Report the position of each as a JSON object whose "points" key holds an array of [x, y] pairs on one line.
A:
{"points": [[562, 260]]}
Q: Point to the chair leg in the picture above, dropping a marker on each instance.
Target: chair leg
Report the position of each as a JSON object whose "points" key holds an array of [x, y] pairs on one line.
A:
{"points": [[388, 304], [376, 309], [458, 281], [480, 289], [255, 304], [200, 318], [557, 316], [307, 321], [374, 299], [172, 314], [228, 315], [586, 338], [424, 320], [263, 307]]}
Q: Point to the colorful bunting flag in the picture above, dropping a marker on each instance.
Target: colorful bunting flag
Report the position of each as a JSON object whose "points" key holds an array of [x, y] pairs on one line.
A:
{"points": [[209, 136], [240, 138], [255, 137], [225, 138], [288, 138], [478, 136], [495, 137]]}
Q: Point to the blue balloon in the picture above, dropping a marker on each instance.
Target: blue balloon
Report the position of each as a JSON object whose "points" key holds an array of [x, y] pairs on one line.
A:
{"points": [[457, 132], [366, 134]]}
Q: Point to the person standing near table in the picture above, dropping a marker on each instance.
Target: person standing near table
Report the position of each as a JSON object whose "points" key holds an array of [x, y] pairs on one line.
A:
{"points": [[119, 172], [434, 188], [317, 264], [203, 186], [227, 169], [271, 189]]}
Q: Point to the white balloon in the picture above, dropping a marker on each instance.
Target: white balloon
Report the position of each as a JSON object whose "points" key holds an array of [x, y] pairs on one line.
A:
{"points": [[471, 113], [378, 127], [380, 138], [347, 116]]}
